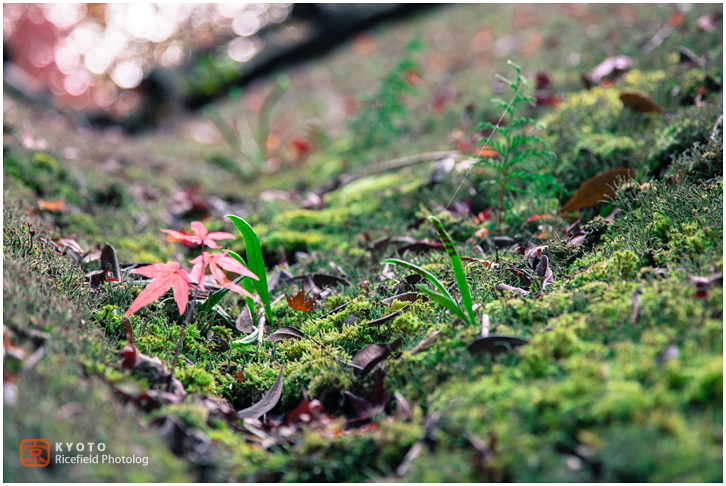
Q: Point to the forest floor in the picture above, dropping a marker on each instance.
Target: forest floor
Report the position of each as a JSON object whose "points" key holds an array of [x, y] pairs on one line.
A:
{"points": [[604, 360]]}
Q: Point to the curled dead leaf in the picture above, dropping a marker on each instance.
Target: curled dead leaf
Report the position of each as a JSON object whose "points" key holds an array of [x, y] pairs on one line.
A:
{"points": [[285, 332], [496, 344], [266, 403], [367, 358], [509, 288]]}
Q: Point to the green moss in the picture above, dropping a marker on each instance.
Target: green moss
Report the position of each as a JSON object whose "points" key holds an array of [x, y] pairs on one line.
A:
{"points": [[626, 263], [196, 380], [295, 240], [191, 415]]}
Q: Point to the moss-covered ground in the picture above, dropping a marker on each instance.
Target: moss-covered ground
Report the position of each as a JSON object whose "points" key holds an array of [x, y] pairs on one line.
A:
{"points": [[622, 378]]}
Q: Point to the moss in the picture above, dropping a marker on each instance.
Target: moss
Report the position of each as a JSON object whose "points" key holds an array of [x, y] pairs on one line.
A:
{"points": [[307, 219], [626, 263], [191, 415], [293, 241], [365, 188], [683, 130], [196, 380]]}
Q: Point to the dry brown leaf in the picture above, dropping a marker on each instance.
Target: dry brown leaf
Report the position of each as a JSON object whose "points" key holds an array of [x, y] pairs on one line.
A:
{"points": [[639, 103], [57, 206], [596, 189], [299, 303]]}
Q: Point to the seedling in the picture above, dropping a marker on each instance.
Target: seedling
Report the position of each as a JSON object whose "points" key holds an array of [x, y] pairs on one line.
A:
{"points": [[516, 150], [256, 263], [463, 310]]}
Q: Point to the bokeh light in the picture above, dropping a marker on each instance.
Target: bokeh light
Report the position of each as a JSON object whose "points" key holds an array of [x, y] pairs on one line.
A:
{"points": [[94, 57]]}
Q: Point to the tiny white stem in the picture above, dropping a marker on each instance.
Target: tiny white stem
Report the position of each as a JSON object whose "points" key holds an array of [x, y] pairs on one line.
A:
{"points": [[485, 325]]}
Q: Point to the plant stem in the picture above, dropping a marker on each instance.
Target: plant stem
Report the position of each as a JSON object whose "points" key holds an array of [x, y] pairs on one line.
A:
{"points": [[181, 339], [187, 318]]}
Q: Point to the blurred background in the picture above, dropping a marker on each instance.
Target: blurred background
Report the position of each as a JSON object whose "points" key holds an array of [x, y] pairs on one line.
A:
{"points": [[138, 64]]}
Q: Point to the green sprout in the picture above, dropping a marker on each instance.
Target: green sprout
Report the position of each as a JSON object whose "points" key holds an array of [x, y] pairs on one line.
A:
{"points": [[463, 310], [517, 148]]}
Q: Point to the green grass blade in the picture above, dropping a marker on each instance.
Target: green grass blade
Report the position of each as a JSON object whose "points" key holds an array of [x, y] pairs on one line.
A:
{"points": [[423, 273], [255, 261], [445, 302], [457, 267]]}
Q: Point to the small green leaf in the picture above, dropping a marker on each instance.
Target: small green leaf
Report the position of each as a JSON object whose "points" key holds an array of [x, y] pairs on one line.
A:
{"points": [[437, 283], [255, 261], [458, 268], [445, 302]]}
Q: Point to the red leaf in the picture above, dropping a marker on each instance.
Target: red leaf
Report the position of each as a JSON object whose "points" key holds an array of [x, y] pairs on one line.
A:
{"points": [[200, 236], [166, 275]]}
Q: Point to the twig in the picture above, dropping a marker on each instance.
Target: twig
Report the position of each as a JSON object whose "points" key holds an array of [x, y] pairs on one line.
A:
{"points": [[190, 306], [413, 160]]}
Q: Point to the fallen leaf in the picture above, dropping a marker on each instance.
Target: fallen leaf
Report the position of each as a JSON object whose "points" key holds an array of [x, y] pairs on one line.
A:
{"points": [[128, 329], [57, 206], [323, 280], [166, 276], [639, 103], [308, 412], [366, 409], [336, 310], [669, 353], [187, 204], [496, 344], [421, 247], [98, 277], [367, 358], [544, 270], [702, 284], [407, 283], [108, 259], [363, 45], [381, 320], [313, 201], [239, 376], [596, 189], [413, 78], [542, 80], [266, 403], [285, 332], [351, 319], [537, 217], [299, 303], [509, 288], [610, 68], [200, 236], [244, 322]]}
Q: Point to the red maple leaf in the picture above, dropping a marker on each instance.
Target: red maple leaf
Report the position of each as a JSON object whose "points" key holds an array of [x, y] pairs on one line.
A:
{"points": [[216, 260], [201, 236], [166, 276]]}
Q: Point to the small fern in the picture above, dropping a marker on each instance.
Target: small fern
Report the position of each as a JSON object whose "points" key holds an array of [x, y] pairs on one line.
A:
{"points": [[518, 149]]}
